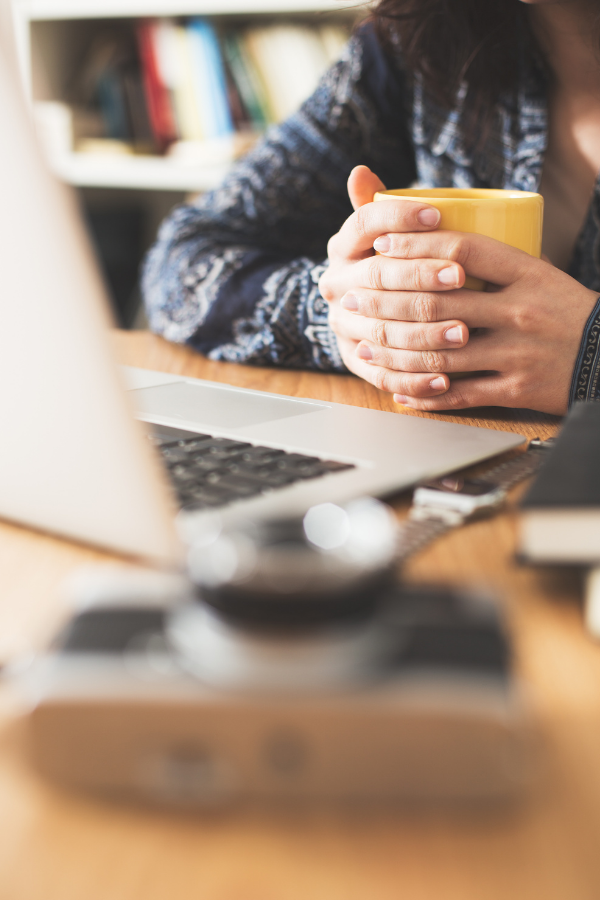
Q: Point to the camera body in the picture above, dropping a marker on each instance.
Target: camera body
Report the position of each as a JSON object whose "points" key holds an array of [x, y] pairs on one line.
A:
{"points": [[411, 701], [289, 666]]}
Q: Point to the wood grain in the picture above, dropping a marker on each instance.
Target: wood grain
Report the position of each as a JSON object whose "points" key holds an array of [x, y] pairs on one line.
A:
{"points": [[58, 846]]}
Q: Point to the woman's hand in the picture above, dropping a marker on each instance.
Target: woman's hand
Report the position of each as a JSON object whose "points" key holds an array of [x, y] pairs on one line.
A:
{"points": [[399, 331], [354, 268]]}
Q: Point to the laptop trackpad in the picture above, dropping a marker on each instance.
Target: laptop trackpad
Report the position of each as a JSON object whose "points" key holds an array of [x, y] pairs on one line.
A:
{"points": [[217, 406]]}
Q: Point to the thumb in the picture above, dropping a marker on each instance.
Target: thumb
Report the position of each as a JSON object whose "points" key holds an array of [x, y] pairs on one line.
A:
{"points": [[362, 184]]}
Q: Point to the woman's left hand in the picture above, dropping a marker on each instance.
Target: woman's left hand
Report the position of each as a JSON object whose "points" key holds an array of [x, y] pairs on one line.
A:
{"points": [[523, 336]]}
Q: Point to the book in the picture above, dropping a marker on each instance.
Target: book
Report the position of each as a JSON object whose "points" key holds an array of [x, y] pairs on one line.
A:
{"points": [[145, 138], [209, 80], [168, 63], [155, 83], [110, 82], [246, 78], [242, 120], [560, 514], [290, 60], [158, 101], [187, 114]]}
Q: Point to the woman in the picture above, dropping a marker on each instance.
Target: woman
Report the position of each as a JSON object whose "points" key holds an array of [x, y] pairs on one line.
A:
{"points": [[465, 93]]}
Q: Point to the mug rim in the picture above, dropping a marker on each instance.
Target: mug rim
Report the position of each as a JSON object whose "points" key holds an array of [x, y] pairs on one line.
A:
{"points": [[450, 193]]}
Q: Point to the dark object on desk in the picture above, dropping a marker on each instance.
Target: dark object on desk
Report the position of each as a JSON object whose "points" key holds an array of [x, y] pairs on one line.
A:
{"points": [[421, 627], [560, 515], [330, 566], [418, 703]]}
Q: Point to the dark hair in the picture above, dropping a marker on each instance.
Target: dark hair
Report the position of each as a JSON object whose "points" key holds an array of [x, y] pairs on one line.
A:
{"points": [[453, 41]]}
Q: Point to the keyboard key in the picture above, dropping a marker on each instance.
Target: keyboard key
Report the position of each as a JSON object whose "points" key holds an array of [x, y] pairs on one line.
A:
{"points": [[220, 445], [297, 459], [164, 435], [196, 444], [209, 464], [220, 449], [332, 466], [279, 479], [261, 454], [182, 474], [174, 454]]}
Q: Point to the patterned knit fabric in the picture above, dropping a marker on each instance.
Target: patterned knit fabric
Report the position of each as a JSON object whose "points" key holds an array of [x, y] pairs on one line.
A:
{"points": [[236, 273]]}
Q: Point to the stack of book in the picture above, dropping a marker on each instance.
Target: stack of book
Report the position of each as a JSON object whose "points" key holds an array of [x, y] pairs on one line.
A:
{"points": [[192, 91]]}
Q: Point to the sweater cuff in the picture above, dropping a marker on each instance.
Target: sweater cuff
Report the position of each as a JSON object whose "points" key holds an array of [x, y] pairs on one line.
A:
{"points": [[585, 384]]}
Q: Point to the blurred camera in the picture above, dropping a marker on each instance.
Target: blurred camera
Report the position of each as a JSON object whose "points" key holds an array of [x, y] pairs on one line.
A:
{"points": [[290, 666]]}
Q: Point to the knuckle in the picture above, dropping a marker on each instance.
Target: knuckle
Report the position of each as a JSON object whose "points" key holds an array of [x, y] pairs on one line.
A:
{"points": [[404, 246], [519, 385], [326, 286], [381, 380], [369, 306], [433, 361], [425, 307], [374, 273], [418, 277], [422, 338], [459, 250], [403, 219], [333, 316], [361, 220], [454, 399], [426, 405], [525, 318], [380, 333]]}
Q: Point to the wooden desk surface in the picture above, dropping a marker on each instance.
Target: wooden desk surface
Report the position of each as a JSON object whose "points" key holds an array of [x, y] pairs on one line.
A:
{"points": [[58, 846]]}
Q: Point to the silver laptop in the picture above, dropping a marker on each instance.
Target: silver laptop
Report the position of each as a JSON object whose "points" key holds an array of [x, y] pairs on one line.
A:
{"points": [[73, 459]]}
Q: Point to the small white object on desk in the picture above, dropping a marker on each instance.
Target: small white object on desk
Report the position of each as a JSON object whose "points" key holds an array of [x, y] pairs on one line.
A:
{"points": [[592, 602]]}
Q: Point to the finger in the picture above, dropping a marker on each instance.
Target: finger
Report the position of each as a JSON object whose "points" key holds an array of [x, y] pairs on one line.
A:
{"points": [[476, 357], [490, 390], [415, 384], [356, 236], [480, 256], [363, 185], [474, 308], [401, 335], [382, 274]]}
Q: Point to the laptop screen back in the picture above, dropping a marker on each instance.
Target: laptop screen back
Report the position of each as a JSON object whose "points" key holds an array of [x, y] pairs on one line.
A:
{"points": [[73, 461]]}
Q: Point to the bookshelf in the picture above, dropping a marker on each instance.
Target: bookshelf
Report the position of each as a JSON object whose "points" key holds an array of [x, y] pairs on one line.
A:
{"points": [[49, 33], [150, 173], [124, 195]]}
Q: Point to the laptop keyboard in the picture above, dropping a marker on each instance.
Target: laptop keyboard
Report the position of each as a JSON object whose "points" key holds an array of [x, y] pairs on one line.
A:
{"points": [[208, 472]]}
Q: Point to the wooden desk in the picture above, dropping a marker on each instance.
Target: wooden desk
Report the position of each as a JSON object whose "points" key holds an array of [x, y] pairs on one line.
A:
{"points": [[56, 846]]}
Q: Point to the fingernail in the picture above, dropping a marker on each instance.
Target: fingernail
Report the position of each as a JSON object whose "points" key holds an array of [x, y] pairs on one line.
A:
{"points": [[429, 216], [454, 335], [364, 352], [401, 399], [449, 275], [349, 301], [438, 384], [382, 244]]}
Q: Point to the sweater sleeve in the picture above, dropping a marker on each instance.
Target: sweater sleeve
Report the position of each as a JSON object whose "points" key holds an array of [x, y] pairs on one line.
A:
{"points": [[585, 383], [235, 274]]}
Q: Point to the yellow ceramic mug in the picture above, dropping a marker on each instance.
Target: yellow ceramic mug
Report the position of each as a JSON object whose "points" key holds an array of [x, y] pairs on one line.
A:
{"points": [[513, 217]]}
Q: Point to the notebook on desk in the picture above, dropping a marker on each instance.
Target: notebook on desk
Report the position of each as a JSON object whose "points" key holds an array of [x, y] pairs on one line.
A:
{"points": [[75, 462]]}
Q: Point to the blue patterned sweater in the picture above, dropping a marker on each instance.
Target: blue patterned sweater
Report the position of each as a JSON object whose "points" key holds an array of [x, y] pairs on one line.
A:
{"points": [[235, 274]]}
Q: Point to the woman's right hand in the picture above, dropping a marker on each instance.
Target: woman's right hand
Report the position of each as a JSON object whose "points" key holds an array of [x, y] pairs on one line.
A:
{"points": [[354, 267]]}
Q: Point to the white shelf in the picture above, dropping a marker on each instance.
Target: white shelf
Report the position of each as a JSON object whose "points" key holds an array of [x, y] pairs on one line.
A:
{"points": [[137, 172], [103, 9]]}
